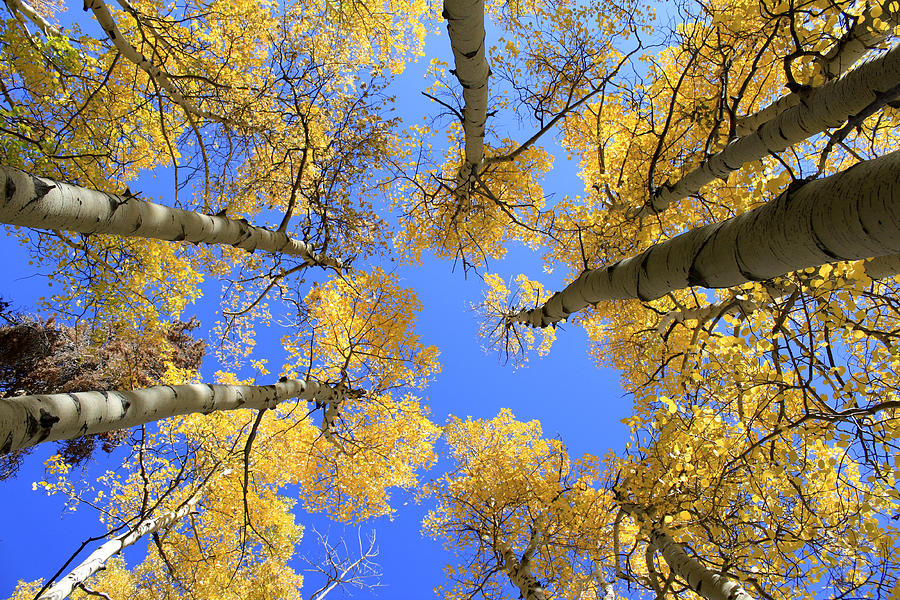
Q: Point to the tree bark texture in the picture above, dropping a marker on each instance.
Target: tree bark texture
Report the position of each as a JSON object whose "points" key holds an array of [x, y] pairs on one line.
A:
{"points": [[519, 573], [97, 560], [106, 21], [827, 106], [852, 215], [710, 585], [465, 25], [29, 420], [31, 201], [861, 38]]}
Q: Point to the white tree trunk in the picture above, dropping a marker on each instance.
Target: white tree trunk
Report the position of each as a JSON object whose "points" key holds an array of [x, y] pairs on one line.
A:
{"points": [[106, 21], [519, 573], [26, 10], [861, 38], [710, 585], [29, 420], [465, 25], [849, 216], [706, 583], [97, 560], [31, 201], [825, 107]]}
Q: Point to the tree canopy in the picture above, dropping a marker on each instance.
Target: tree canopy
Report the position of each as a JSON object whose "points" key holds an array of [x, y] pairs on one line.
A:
{"points": [[730, 246]]}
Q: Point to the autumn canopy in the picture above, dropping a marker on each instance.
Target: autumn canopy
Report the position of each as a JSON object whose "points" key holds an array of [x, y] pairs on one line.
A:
{"points": [[731, 247]]}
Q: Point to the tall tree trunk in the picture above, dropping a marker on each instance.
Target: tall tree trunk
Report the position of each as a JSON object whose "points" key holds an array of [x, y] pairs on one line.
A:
{"points": [[97, 560], [707, 583], [861, 38], [826, 106], [157, 74], [465, 25], [31, 201], [848, 216], [519, 573], [710, 585], [29, 420]]}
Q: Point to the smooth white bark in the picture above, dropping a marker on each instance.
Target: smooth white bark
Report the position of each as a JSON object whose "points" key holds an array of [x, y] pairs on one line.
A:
{"points": [[42, 203], [710, 585], [827, 106], [26, 10], [861, 38], [849, 216], [97, 560], [106, 21], [519, 573], [465, 25], [29, 420]]}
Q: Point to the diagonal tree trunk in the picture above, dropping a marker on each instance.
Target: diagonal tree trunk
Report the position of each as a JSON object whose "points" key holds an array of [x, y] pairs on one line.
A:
{"points": [[710, 585], [97, 560], [519, 570], [29, 420], [158, 75], [41, 203], [848, 216], [707, 583], [826, 106], [465, 25], [861, 38]]}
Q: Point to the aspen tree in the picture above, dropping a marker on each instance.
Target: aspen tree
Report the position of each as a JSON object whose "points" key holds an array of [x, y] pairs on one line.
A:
{"points": [[97, 560], [36, 202], [518, 513], [850, 215], [29, 420], [824, 107]]}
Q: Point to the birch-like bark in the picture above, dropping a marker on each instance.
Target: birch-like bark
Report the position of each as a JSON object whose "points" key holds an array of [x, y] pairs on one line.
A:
{"points": [[29, 420], [861, 38], [848, 216], [465, 25], [28, 11], [710, 585], [519, 573], [31, 201], [106, 21], [825, 107], [880, 267], [97, 560]]}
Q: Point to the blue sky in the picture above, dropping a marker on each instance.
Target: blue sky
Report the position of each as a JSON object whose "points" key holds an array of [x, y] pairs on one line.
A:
{"points": [[39, 534]]}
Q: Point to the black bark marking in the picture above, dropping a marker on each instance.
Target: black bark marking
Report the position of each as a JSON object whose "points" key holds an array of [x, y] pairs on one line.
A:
{"points": [[41, 189], [643, 275], [31, 426], [6, 448], [126, 404], [820, 244], [745, 273], [46, 424], [77, 403], [10, 188]]}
